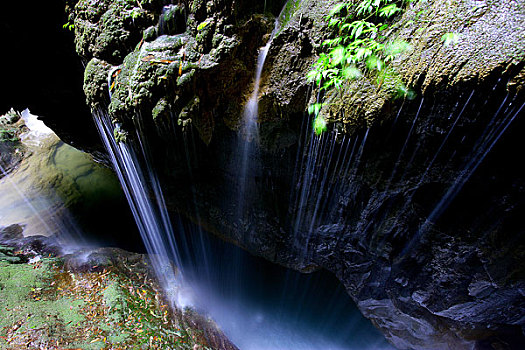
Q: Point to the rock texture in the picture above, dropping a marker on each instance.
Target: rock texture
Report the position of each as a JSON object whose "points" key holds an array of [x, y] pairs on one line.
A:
{"points": [[414, 205], [488, 49], [47, 184]]}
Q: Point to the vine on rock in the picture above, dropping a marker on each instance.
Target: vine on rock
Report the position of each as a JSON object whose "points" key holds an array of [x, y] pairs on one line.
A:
{"points": [[360, 48]]}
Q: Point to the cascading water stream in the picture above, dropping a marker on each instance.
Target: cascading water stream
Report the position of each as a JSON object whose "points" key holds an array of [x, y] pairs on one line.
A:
{"points": [[492, 133], [249, 128], [316, 178], [151, 217]]}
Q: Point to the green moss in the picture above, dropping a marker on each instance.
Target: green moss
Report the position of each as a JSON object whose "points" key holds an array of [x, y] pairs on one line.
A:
{"points": [[95, 82], [162, 108], [107, 29], [9, 258], [152, 67], [185, 78], [27, 306], [150, 33]]}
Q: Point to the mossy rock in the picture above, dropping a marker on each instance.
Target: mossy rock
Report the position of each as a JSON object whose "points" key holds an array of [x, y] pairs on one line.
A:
{"points": [[65, 302]]}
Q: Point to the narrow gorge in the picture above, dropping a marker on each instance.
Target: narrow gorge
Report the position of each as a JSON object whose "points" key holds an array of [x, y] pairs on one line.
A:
{"points": [[292, 174]]}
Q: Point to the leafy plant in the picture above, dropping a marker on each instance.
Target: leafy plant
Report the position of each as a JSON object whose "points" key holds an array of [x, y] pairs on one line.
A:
{"points": [[450, 39], [68, 26], [202, 25], [359, 47], [319, 123]]}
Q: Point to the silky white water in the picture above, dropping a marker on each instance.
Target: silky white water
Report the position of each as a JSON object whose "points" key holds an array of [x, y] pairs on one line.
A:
{"points": [[154, 226]]}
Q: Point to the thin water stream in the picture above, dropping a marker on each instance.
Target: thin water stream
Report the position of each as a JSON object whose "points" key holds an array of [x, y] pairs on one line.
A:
{"points": [[150, 216], [249, 130]]}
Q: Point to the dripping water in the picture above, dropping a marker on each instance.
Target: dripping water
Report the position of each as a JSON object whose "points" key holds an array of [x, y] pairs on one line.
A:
{"points": [[491, 135], [151, 216], [324, 162], [247, 168]]}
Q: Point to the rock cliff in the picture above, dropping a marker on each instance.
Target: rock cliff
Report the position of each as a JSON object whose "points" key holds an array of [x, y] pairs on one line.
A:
{"points": [[415, 205]]}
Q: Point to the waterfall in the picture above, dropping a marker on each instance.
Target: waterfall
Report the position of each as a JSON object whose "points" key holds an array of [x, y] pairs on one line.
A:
{"points": [[249, 129], [497, 126], [246, 148], [150, 215], [322, 162], [252, 106], [250, 114]]}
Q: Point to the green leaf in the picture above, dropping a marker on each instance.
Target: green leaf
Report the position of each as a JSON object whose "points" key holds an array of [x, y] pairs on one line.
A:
{"points": [[315, 108], [333, 22], [374, 63], [346, 26], [337, 8], [319, 125], [351, 72], [397, 47], [389, 10], [202, 25], [358, 30], [450, 39], [68, 26], [337, 55], [312, 75]]}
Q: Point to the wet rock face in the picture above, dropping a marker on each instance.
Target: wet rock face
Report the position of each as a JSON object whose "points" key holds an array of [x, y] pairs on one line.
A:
{"points": [[415, 205], [173, 63]]}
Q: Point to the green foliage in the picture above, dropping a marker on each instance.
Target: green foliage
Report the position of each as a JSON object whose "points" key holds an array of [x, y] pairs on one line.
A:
{"points": [[9, 135], [315, 108], [359, 46], [202, 25], [450, 39], [68, 26], [358, 43], [319, 125]]}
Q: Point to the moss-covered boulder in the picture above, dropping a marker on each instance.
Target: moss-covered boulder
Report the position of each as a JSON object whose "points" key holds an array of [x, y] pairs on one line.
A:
{"points": [[108, 29], [191, 52]]}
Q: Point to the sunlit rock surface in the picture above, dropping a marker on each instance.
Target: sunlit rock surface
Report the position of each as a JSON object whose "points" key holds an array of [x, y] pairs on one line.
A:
{"points": [[50, 188]]}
